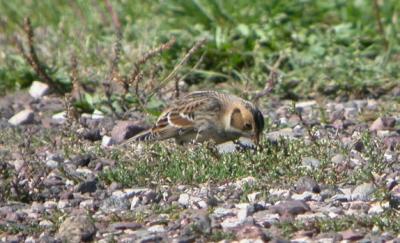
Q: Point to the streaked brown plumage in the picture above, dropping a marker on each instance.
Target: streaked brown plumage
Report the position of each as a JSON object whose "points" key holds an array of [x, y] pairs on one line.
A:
{"points": [[205, 115]]}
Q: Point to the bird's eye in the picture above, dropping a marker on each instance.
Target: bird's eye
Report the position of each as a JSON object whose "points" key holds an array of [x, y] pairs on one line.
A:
{"points": [[248, 126]]}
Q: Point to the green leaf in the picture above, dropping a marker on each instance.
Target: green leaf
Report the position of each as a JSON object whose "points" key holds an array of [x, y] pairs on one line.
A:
{"points": [[154, 106]]}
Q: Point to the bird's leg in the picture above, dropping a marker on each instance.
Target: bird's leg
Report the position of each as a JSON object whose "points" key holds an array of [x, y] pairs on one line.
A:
{"points": [[196, 140], [199, 131]]}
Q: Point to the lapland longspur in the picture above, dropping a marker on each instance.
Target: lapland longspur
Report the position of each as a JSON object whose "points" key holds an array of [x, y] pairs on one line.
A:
{"points": [[206, 115]]}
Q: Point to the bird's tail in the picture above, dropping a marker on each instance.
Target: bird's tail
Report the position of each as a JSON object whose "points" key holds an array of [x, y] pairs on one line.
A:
{"points": [[146, 135]]}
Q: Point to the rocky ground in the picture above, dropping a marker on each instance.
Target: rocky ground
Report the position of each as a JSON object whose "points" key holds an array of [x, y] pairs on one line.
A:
{"points": [[57, 185]]}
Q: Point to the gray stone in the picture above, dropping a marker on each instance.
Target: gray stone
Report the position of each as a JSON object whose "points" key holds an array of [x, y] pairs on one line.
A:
{"points": [[360, 103], [125, 225], [223, 212], [231, 223], [12, 239], [18, 164], [279, 193], [328, 192], [38, 89], [251, 233], [37, 207], [298, 131], [198, 202], [336, 115], [97, 115], [394, 200], [76, 229], [148, 237], [202, 223], [383, 133], [338, 159], [341, 198], [199, 223], [185, 239], [350, 113], [50, 205], [158, 228], [59, 118], [240, 145], [125, 129], [292, 207], [372, 105], [107, 141], [87, 186], [383, 123], [311, 162], [46, 223], [265, 218], [87, 204], [30, 239], [379, 207], [254, 197], [244, 210], [115, 204], [226, 148], [92, 134], [131, 192], [52, 164], [184, 199], [136, 202], [329, 237], [363, 192], [351, 235], [23, 117], [81, 159], [306, 183], [306, 104], [247, 181], [151, 196], [286, 133], [304, 196]]}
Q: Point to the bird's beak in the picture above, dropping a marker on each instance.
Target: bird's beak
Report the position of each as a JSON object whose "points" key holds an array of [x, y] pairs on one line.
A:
{"points": [[256, 138]]}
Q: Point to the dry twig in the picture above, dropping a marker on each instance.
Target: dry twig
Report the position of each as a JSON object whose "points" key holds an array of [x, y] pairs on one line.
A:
{"points": [[137, 73], [173, 73], [378, 19], [272, 79], [31, 57], [76, 87], [114, 15], [113, 73], [311, 134], [178, 80], [195, 47]]}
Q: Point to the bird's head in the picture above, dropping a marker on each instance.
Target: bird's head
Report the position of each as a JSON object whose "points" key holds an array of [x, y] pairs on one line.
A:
{"points": [[248, 121]]}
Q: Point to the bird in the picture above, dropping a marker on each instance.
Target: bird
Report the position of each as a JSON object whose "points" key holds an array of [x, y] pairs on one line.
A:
{"points": [[201, 116]]}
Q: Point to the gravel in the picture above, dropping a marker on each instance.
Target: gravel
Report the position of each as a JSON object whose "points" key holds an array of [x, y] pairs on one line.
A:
{"points": [[70, 197]]}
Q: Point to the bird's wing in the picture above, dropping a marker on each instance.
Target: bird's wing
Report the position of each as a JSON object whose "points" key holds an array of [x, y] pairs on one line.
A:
{"points": [[183, 116]]}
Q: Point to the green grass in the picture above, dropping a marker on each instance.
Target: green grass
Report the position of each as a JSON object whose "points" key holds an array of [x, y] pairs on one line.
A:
{"points": [[218, 235], [17, 228], [330, 48], [165, 163], [385, 222], [279, 164]]}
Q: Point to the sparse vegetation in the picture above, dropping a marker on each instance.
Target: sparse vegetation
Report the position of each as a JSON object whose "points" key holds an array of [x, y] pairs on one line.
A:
{"points": [[330, 48], [126, 60], [279, 164]]}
